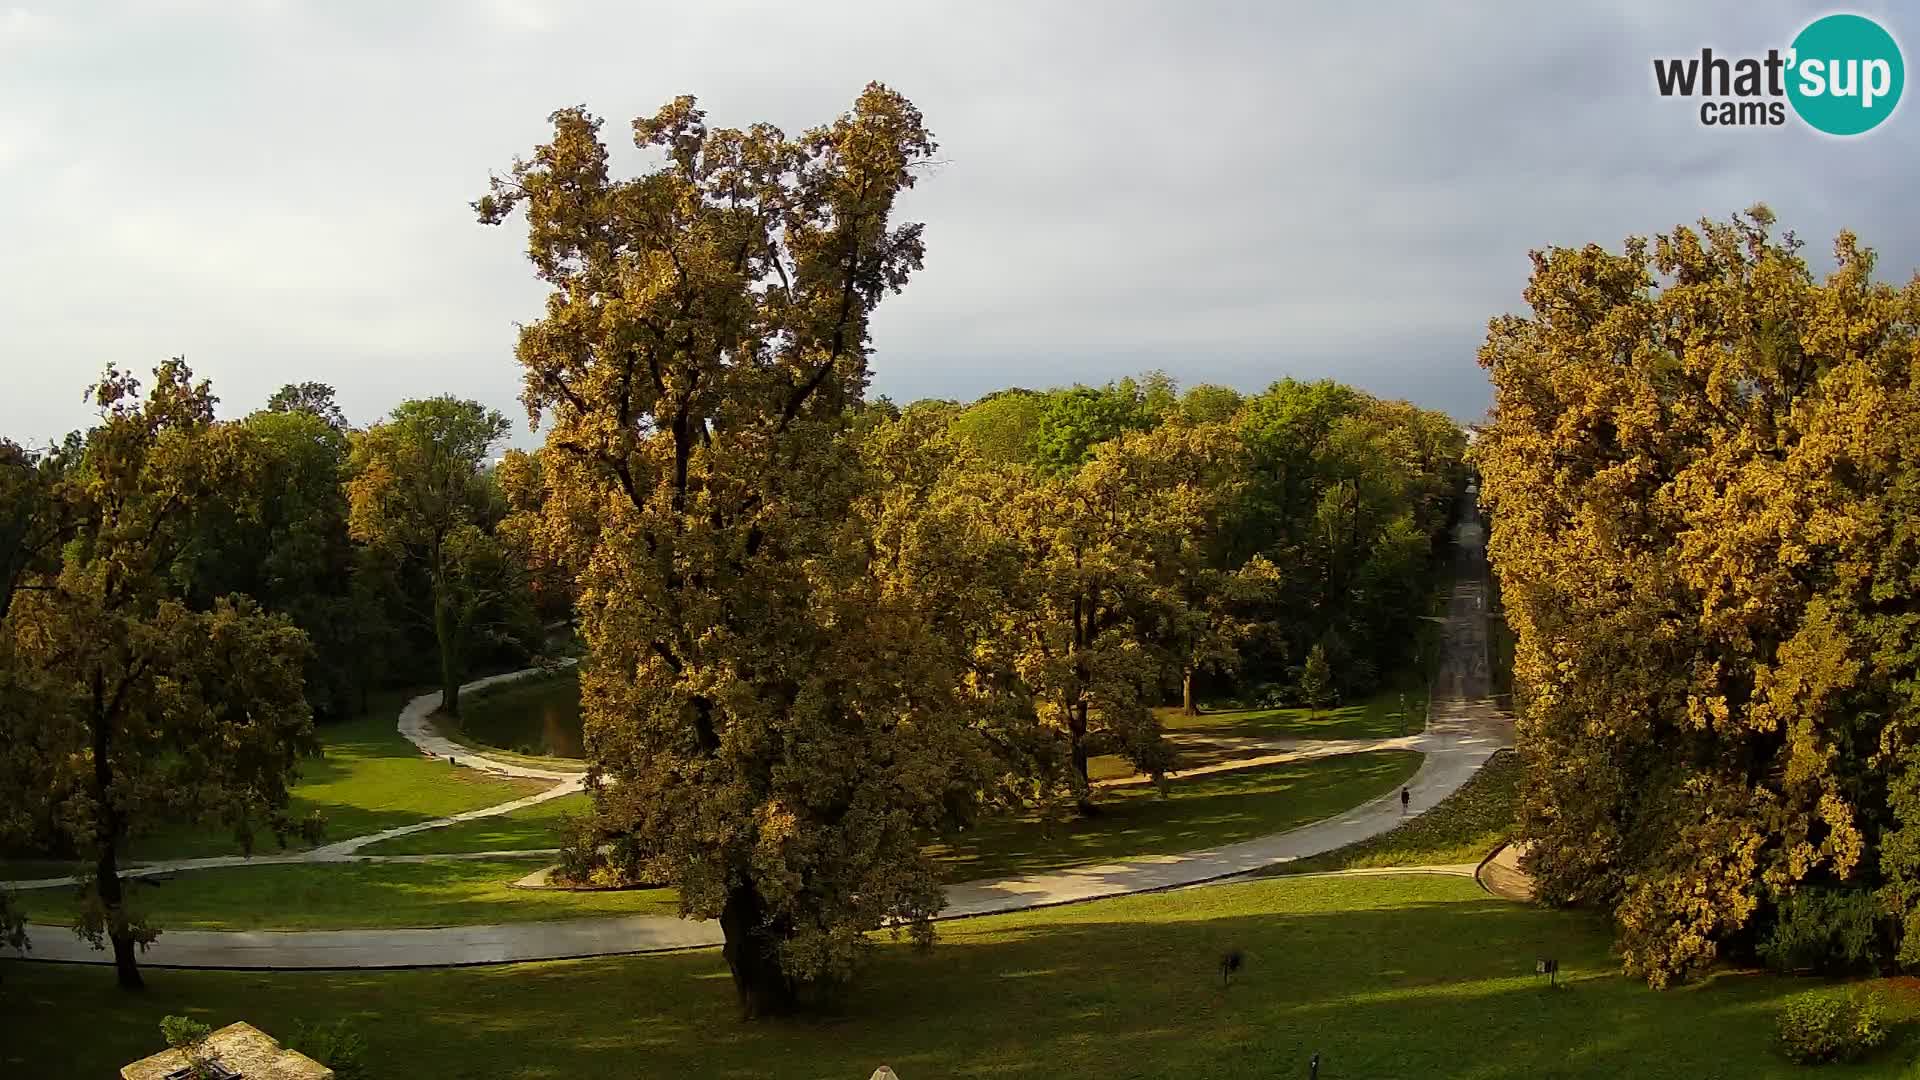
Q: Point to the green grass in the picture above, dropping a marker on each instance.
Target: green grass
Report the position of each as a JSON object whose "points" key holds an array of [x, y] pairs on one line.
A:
{"points": [[1466, 827], [533, 718], [529, 827], [1200, 812], [369, 779], [358, 895], [1375, 718], [1383, 977]]}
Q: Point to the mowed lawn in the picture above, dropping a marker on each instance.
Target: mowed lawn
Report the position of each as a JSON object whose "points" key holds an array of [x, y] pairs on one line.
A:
{"points": [[1466, 827], [1196, 813], [1377, 717], [1412, 976], [340, 896], [368, 779], [530, 827]]}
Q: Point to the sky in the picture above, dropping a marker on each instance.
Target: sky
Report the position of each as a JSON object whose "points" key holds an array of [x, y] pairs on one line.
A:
{"points": [[1228, 192]]}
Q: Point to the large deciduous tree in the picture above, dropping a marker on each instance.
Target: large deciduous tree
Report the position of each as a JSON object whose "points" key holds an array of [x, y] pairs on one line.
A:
{"points": [[1703, 476], [147, 710], [764, 728], [420, 490]]}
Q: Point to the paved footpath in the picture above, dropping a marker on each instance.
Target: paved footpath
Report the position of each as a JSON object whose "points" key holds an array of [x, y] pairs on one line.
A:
{"points": [[1464, 729]]}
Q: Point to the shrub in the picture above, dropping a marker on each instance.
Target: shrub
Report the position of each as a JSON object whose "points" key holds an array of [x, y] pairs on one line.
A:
{"points": [[339, 1048], [1830, 1026], [189, 1036], [1825, 930]]}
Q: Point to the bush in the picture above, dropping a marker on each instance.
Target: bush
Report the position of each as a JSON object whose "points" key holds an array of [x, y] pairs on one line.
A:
{"points": [[1827, 931], [1829, 1026], [339, 1048]]}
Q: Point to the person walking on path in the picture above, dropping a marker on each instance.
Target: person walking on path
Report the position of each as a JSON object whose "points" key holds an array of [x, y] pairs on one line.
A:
{"points": [[1405, 799]]}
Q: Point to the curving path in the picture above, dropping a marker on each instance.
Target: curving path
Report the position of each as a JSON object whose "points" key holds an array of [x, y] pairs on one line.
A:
{"points": [[1464, 729]]}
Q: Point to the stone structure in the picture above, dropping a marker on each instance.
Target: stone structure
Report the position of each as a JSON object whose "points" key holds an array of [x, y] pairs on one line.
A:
{"points": [[241, 1047]]}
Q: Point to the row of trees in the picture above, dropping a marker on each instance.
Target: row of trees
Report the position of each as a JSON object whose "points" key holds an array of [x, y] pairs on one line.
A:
{"points": [[181, 596], [1704, 485], [821, 630]]}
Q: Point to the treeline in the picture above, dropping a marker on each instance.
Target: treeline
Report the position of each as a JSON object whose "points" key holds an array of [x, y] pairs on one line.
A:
{"points": [[1323, 506], [183, 596], [1704, 486]]}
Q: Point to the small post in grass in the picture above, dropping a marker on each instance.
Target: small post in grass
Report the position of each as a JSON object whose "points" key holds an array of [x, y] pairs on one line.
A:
{"points": [[1548, 966], [1230, 962]]}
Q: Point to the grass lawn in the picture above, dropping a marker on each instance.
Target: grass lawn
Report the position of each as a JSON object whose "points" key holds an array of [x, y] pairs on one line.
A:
{"points": [[1375, 718], [529, 827], [1201, 812], [358, 895], [369, 779], [1383, 977], [1464, 828], [535, 718]]}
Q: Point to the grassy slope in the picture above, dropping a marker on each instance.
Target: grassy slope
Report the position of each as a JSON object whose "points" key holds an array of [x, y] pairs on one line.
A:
{"points": [[1384, 977], [1465, 828], [505, 719], [333, 897], [369, 779], [1198, 813]]}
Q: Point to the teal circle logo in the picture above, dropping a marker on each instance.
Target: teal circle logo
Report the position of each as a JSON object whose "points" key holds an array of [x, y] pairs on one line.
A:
{"points": [[1845, 74]]}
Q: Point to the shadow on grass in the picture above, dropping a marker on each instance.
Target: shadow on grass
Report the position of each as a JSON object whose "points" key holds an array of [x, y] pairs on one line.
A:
{"points": [[1420, 978]]}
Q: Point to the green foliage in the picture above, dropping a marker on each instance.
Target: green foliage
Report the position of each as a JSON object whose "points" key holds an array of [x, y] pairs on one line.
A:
{"points": [[1003, 426], [1829, 1025], [1075, 421], [1830, 931], [189, 1037], [772, 721], [1316, 679], [339, 1046], [144, 705], [316, 399], [1703, 487], [420, 493]]}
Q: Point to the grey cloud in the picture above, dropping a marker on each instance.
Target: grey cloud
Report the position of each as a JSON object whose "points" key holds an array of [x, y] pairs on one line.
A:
{"points": [[1228, 191]]}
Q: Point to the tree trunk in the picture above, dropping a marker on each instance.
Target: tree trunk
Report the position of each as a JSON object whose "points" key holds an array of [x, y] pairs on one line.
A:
{"points": [[449, 662], [124, 963], [1187, 707], [1077, 733], [752, 955]]}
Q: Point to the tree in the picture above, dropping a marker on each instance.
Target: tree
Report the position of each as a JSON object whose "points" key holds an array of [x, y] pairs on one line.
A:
{"points": [[1095, 591], [766, 729], [1316, 680], [1002, 426], [1210, 404], [313, 398], [1702, 477], [284, 542], [149, 710], [419, 489], [1076, 420]]}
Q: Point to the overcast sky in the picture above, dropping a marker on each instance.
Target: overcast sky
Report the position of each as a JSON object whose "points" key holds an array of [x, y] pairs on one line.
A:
{"points": [[1229, 192]]}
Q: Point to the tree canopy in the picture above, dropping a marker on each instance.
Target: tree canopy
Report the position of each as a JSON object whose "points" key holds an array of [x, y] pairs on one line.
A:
{"points": [[1701, 469]]}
